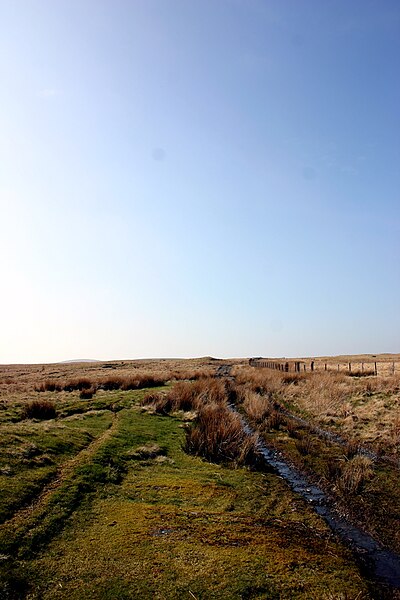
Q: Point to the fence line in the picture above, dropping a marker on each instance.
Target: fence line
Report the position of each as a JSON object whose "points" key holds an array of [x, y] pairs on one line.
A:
{"points": [[350, 368]]}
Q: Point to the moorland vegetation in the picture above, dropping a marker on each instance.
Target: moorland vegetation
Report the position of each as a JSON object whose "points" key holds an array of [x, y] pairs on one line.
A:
{"points": [[150, 486]]}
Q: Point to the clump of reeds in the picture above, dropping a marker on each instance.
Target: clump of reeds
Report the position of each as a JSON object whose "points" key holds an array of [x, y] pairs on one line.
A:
{"points": [[126, 382], [87, 394], [49, 386], [305, 445], [261, 381], [81, 384], [288, 378], [355, 473], [275, 420], [257, 407], [189, 374], [39, 409], [187, 396], [218, 435], [130, 382]]}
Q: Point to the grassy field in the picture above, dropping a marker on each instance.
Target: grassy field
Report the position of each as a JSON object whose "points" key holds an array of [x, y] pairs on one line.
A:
{"points": [[103, 500]]}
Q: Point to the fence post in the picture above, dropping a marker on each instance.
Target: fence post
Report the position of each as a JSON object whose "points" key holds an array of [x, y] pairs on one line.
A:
{"points": [[376, 370], [349, 367]]}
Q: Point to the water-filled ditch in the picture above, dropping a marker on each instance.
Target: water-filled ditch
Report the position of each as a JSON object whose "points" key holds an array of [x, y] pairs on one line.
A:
{"points": [[383, 564]]}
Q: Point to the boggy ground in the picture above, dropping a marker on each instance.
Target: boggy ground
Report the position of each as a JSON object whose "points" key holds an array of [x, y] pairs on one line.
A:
{"points": [[117, 509], [360, 468]]}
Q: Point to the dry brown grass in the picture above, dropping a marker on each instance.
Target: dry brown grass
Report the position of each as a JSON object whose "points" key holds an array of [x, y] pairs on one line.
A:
{"points": [[87, 394], [17, 379], [216, 432], [364, 409], [39, 409], [188, 396], [218, 436], [256, 406], [304, 445], [354, 474], [114, 382]]}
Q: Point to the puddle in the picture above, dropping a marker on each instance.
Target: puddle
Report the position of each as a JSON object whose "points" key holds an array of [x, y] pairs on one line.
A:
{"points": [[161, 532]]}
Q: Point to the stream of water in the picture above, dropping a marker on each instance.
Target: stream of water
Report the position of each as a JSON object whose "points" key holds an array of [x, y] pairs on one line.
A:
{"points": [[383, 564]]}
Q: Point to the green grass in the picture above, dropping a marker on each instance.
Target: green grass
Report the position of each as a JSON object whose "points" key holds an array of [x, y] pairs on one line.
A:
{"points": [[31, 452], [131, 523]]}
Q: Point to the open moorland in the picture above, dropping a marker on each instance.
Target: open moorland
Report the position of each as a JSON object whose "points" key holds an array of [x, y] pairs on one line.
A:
{"points": [[200, 478]]}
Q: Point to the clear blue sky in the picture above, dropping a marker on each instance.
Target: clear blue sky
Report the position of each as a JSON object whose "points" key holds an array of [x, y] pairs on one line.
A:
{"points": [[202, 177]]}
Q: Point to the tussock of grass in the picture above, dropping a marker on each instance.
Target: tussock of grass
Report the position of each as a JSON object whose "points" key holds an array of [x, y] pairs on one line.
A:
{"points": [[355, 473], [187, 396], [256, 406], [39, 409], [81, 384], [217, 435], [275, 420], [49, 386], [87, 394], [115, 382], [304, 445], [146, 452]]}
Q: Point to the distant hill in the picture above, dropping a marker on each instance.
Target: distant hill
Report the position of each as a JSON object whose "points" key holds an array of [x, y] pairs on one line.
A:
{"points": [[79, 360]]}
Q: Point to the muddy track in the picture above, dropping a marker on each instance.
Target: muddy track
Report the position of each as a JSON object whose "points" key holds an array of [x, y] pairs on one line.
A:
{"points": [[63, 473]]}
